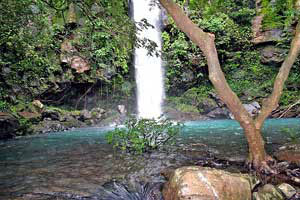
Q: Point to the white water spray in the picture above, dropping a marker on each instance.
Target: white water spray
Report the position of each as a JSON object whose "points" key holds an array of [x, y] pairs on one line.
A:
{"points": [[148, 69]]}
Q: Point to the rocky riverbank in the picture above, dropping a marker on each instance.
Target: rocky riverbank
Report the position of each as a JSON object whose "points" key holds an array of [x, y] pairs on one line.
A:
{"points": [[37, 118], [44, 119]]}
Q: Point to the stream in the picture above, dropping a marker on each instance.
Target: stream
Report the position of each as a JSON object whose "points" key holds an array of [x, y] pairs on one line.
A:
{"points": [[79, 161]]}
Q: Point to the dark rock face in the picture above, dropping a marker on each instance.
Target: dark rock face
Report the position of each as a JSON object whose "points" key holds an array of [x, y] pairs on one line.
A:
{"points": [[267, 36], [8, 126], [51, 114], [207, 105], [272, 55]]}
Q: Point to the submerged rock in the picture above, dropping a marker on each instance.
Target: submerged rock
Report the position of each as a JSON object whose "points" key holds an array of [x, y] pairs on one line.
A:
{"points": [[195, 182], [118, 191]]}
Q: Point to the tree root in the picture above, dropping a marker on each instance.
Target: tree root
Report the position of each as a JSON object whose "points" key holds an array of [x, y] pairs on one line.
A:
{"points": [[276, 172]]}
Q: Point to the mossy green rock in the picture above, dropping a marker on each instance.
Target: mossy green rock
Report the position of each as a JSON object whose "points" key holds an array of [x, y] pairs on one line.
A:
{"points": [[268, 192]]}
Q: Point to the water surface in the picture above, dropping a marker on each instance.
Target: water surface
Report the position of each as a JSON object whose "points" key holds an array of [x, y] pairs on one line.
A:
{"points": [[80, 161]]}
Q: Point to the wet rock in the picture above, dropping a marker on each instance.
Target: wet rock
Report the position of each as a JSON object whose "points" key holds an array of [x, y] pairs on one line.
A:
{"points": [[206, 183], [207, 105], [272, 55], [8, 126], [116, 191], [287, 190], [85, 115], [219, 113], [268, 192], [52, 114], [48, 126]]}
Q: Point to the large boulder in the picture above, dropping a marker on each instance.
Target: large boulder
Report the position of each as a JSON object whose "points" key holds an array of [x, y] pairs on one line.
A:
{"points": [[54, 115], [8, 126], [200, 183]]}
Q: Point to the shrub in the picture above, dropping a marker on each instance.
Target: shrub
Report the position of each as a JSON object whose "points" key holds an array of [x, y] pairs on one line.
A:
{"points": [[143, 135]]}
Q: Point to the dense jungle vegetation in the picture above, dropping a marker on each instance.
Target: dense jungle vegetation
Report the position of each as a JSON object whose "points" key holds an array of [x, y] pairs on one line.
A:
{"points": [[249, 73], [63, 51]]}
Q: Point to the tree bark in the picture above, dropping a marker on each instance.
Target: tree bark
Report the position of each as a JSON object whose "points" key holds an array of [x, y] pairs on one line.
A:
{"points": [[205, 41]]}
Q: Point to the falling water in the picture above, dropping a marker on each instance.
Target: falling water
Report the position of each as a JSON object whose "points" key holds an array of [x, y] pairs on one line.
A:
{"points": [[148, 69]]}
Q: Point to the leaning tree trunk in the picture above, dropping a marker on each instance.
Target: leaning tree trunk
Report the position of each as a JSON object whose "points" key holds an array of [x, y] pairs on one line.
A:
{"points": [[252, 129]]}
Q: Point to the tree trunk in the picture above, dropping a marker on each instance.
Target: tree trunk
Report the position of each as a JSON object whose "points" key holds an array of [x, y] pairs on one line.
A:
{"points": [[205, 41]]}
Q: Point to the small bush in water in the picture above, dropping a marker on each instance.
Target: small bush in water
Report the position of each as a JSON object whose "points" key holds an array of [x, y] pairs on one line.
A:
{"points": [[142, 135]]}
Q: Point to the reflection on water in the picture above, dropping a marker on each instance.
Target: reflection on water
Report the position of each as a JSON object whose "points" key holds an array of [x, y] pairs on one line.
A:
{"points": [[80, 161]]}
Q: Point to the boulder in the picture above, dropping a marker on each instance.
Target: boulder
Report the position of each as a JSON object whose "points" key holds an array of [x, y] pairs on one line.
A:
{"points": [[52, 114], [272, 55], [85, 115], [291, 156], [207, 105], [268, 192], [201, 183], [290, 152], [97, 113], [219, 113], [8, 126]]}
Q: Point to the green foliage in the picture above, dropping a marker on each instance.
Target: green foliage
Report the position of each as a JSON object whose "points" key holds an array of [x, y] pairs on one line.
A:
{"points": [[143, 135], [3, 106], [240, 59], [278, 14], [32, 32], [190, 100]]}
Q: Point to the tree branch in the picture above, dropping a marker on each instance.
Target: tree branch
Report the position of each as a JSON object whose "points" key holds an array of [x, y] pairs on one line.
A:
{"points": [[272, 101]]}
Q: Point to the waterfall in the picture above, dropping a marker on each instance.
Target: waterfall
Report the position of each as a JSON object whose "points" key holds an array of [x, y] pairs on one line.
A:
{"points": [[148, 69]]}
